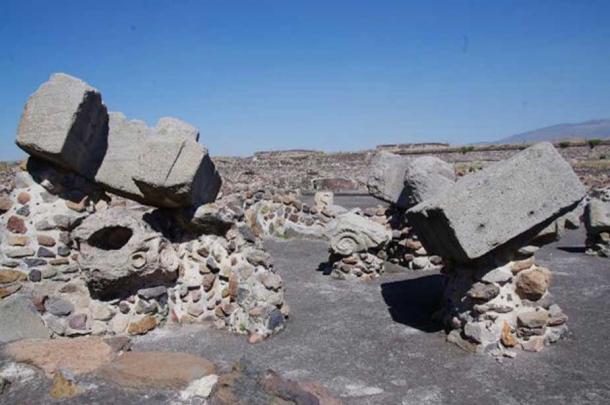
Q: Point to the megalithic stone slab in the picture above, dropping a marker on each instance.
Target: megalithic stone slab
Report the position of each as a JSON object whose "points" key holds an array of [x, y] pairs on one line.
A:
{"points": [[65, 122], [125, 139], [387, 176], [176, 172], [507, 200]]}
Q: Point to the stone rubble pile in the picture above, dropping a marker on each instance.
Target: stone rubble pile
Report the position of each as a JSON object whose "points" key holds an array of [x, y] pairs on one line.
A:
{"points": [[93, 262], [488, 228], [597, 221]]}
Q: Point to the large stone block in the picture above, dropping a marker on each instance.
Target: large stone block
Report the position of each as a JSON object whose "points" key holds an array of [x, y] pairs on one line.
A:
{"points": [[65, 122], [125, 140], [406, 182], [176, 172], [162, 166], [511, 199], [387, 176], [425, 177]]}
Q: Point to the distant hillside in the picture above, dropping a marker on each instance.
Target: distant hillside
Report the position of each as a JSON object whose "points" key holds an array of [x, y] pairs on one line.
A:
{"points": [[584, 130]]}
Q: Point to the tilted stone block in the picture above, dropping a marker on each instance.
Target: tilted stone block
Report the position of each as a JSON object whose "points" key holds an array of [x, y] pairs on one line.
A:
{"points": [[506, 200], [65, 122], [162, 169], [425, 177], [406, 182], [176, 172], [387, 176], [125, 139]]}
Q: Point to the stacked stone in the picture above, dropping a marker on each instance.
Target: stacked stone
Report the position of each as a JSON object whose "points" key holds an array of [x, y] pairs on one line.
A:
{"points": [[356, 247], [46, 205], [597, 222], [96, 263], [405, 182], [488, 228], [404, 249], [230, 281], [502, 304], [285, 216]]}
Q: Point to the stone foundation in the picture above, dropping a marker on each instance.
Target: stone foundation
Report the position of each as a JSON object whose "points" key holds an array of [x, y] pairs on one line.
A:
{"points": [[501, 305]]}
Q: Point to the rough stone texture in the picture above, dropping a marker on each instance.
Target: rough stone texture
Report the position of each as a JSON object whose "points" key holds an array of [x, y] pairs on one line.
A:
{"points": [[65, 122], [79, 355], [425, 177], [501, 202], [351, 233], [120, 254], [159, 370], [20, 320], [387, 176], [173, 127], [176, 172], [125, 139]]}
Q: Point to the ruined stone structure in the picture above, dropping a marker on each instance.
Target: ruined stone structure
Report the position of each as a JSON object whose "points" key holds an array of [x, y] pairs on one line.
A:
{"points": [[597, 221], [488, 227], [92, 262]]}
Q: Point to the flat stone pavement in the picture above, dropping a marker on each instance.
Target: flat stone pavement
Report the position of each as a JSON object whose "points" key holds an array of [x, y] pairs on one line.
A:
{"points": [[373, 343]]}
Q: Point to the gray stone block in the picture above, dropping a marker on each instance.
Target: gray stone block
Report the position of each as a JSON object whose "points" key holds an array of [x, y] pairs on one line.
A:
{"points": [[176, 172], [125, 140], [387, 176], [65, 122], [515, 198], [425, 177], [169, 126], [406, 182]]}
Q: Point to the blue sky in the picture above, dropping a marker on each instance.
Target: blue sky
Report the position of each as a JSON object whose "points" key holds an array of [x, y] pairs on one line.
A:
{"points": [[330, 75]]}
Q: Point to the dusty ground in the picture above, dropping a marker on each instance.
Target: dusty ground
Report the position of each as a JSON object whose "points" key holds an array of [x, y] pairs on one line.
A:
{"points": [[373, 343]]}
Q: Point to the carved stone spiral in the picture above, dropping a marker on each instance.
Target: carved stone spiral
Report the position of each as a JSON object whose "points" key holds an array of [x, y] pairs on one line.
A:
{"points": [[347, 242]]}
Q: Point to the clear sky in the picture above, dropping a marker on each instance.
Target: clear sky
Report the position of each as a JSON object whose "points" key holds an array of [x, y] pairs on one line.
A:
{"points": [[331, 75]]}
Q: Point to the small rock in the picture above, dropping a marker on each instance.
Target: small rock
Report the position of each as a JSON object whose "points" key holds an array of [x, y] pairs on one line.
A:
{"points": [[63, 251], [35, 262], [9, 290], [532, 284], [142, 326], [499, 275], [10, 276], [507, 338], [153, 292], [45, 240], [18, 240], [19, 253], [201, 388], [44, 252], [44, 225], [78, 322], [483, 292], [16, 225], [59, 306], [533, 319], [534, 344], [23, 211], [23, 198], [35, 275], [5, 204]]}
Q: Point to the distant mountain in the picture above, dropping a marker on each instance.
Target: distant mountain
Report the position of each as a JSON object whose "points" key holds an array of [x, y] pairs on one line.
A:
{"points": [[584, 130]]}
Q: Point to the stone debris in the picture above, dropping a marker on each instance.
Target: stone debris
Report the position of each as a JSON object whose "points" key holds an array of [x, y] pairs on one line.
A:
{"points": [[490, 208], [597, 222]]}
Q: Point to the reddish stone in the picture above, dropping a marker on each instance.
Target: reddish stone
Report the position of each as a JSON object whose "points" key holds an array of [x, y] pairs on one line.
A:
{"points": [[142, 326], [16, 225], [45, 240]]}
